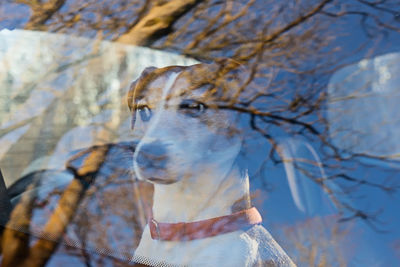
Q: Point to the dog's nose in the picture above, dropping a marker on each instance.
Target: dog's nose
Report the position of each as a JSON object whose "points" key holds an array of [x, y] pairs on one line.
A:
{"points": [[153, 155]]}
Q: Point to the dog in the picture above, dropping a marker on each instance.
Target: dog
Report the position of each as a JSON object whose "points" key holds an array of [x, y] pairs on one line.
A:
{"points": [[189, 147]]}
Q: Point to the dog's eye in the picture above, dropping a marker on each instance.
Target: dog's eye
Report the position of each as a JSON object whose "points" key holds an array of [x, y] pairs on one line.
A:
{"points": [[192, 107], [144, 112]]}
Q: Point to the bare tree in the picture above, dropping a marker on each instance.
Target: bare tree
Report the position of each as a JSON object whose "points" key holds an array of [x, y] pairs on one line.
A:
{"points": [[319, 242]]}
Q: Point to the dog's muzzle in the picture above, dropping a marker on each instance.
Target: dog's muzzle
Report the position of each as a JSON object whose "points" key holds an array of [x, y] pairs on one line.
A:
{"points": [[151, 160], [153, 155]]}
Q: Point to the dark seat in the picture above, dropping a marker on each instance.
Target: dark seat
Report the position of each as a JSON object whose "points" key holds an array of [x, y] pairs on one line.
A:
{"points": [[5, 204]]}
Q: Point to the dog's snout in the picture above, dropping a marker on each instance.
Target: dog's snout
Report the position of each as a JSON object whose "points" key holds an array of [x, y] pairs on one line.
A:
{"points": [[152, 155]]}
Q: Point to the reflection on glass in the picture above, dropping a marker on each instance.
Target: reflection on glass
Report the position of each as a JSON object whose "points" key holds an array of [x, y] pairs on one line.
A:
{"points": [[155, 158], [60, 97], [362, 107]]}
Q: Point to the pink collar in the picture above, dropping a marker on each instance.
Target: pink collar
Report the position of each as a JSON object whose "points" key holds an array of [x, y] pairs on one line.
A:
{"points": [[204, 228]]}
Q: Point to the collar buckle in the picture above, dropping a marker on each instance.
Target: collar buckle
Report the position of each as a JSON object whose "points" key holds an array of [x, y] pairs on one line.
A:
{"points": [[154, 224]]}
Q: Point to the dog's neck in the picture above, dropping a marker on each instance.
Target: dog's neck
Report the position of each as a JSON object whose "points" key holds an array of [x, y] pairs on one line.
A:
{"points": [[204, 196]]}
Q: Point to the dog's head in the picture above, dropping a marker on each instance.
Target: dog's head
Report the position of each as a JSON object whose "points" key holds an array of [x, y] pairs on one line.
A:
{"points": [[184, 117]]}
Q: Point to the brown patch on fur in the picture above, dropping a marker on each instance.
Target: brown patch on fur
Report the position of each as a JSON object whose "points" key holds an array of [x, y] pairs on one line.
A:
{"points": [[241, 204]]}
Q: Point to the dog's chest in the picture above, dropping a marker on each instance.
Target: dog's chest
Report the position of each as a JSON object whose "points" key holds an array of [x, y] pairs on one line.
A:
{"points": [[232, 249]]}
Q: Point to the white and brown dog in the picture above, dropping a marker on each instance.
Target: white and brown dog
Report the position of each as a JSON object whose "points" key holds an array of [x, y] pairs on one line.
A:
{"points": [[201, 214]]}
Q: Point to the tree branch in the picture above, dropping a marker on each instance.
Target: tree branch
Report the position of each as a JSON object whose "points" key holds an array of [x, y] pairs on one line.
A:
{"points": [[41, 13], [17, 231], [157, 23]]}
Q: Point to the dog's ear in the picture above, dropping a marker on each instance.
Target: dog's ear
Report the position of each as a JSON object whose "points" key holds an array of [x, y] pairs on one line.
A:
{"points": [[132, 89]]}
